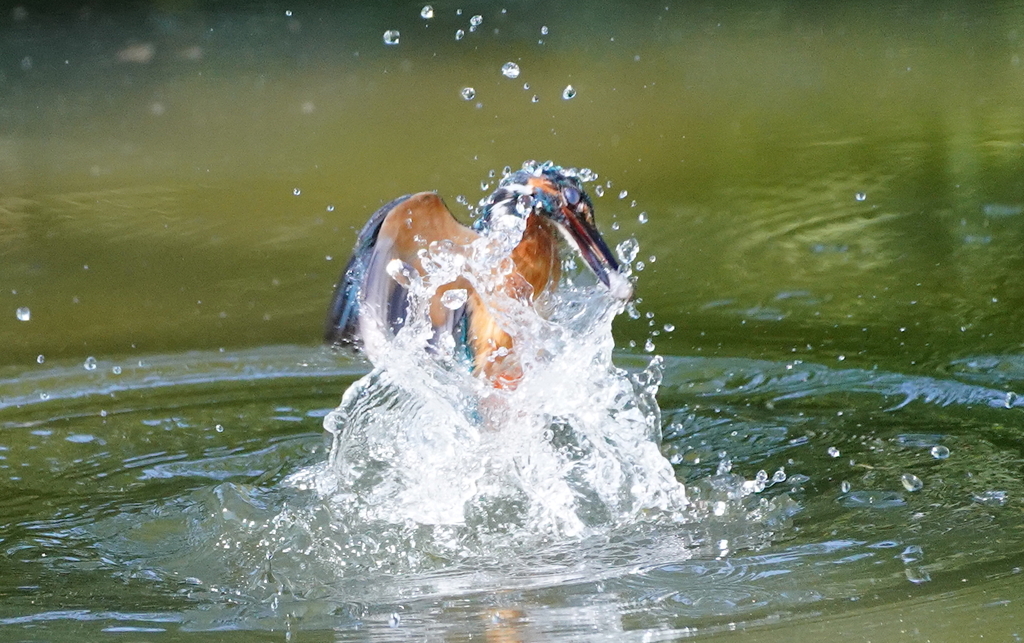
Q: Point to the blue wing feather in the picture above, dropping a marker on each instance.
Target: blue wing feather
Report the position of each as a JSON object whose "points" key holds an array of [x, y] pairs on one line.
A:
{"points": [[342, 325]]}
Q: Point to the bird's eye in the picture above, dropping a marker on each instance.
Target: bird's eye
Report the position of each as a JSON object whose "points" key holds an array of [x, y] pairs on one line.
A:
{"points": [[572, 196]]}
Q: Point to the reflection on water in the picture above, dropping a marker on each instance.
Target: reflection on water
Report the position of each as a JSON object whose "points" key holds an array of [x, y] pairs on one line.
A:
{"points": [[830, 264]]}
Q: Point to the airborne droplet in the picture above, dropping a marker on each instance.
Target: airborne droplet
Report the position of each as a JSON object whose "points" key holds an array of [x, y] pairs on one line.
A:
{"points": [[455, 298], [23, 314], [569, 92], [911, 482], [90, 364], [510, 70], [391, 37], [427, 12], [627, 250], [468, 93]]}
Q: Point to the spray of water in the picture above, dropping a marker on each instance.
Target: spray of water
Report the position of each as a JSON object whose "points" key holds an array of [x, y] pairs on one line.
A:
{"points": [[434, 469], [572, 449], [439, 483]]}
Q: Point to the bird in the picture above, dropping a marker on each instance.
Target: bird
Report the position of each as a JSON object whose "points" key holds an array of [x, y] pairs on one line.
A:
{"points": [[541, 205]]}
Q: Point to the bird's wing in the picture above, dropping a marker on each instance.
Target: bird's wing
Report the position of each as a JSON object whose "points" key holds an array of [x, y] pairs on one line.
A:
{"points": [[369, 304]]}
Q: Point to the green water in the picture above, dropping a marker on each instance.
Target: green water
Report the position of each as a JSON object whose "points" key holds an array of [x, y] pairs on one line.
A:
{"points": [[836, 220]]}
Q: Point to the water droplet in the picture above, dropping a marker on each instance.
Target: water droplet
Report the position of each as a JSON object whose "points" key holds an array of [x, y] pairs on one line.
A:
{"points": [[391, 37], [535, 99], [116, 370], [455, 298], [330, 208], [623, 194], [40, 359], [427, 12], [90, 363], [569, 92], [642, 217], [615, 225], [544, 30], [599, 190], [860, 196], [219, 428], [511, 70], [916, 575], [640, 266], [288, 12], [394, 620], [627, 250], [845, 486], [524, 204], [44, 396], [669, 327], [832, 451], [476, 20], [779, 476], [468, 93], [459, 34], [23, 314], [296, 191], [940, 452], [911, 482]]}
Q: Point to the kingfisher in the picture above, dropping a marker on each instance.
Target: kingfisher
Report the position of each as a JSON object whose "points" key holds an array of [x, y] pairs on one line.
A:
{"points": [[542, 204]]}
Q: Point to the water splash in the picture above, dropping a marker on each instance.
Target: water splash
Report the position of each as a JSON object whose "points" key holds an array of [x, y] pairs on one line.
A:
{"points": [[572, 450], [434, 471]]}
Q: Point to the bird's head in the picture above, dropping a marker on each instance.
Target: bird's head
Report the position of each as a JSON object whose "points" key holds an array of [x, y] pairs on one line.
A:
{"points": [[557, 194]]}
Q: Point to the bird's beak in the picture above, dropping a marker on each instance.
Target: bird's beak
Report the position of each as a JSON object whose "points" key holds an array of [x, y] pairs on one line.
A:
{"points": [[595, 252]]}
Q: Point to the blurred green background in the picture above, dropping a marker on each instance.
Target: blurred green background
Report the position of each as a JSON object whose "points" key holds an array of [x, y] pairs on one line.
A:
{"points": [[825, 179]]}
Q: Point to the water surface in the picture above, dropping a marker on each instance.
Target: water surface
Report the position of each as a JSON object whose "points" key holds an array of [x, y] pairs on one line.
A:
{"points": [[830, 263]]}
